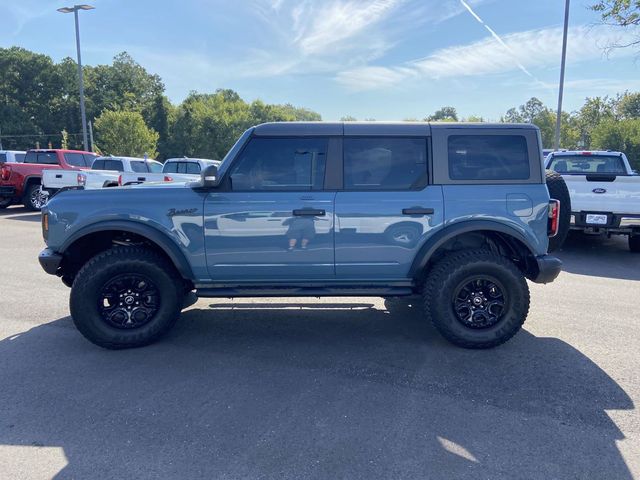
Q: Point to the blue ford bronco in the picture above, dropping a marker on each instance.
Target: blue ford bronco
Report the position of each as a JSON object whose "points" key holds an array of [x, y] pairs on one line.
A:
{"points": [[457, 213]]}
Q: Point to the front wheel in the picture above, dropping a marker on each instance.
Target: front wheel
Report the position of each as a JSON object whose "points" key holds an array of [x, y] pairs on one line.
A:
{"points": [[476, 299], [126, 297]]}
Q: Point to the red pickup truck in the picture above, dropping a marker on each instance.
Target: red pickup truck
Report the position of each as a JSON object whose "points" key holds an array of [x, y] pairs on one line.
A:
{"points": [[21, 182]]}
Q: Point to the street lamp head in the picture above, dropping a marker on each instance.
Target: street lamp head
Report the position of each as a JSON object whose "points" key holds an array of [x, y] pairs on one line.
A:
{"points": [[75, 7]]}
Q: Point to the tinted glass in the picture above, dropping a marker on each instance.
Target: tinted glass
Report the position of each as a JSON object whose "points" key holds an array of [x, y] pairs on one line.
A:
{"points": [[19, 157], [30, 157], [171, 167], [75, 159], [139, 167], [113, 165], [47, 158], [583, 164], [98, 165], [3, 157], [384, 163], [281, 164], [488, 157], [155, 167], [88, 159], [193, 168]]}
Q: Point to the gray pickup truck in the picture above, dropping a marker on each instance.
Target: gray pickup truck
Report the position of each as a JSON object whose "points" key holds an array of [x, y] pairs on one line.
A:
{"points": [[457, 213]]}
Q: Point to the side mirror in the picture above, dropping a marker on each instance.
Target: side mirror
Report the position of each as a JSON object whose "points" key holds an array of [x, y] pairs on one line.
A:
{"points": [[209, 177]]}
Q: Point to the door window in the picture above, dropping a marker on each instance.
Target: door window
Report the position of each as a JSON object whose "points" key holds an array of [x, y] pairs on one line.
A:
{"points": [[139, 167], [281, 164], [385, 163]]}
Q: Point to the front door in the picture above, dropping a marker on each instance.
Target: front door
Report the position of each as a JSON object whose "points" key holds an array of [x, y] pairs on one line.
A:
{"points": [[272, 221]]}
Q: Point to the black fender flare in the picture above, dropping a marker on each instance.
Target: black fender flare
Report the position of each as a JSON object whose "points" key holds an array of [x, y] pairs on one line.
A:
{"points": [[153, 234], [442, 236], [27, 179]]}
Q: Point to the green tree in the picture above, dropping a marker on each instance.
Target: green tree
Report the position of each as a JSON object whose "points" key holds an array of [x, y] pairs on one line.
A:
{"points": [[444, 114], [622, 135], [628, 105], [348, 118], [621, 13], [120, 132], [592, 113]]}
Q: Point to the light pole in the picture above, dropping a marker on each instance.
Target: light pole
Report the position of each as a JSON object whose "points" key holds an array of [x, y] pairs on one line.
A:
{"points": [[83, 114], [562, 62]]}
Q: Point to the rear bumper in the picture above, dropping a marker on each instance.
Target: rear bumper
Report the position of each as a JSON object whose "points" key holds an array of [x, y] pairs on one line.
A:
{"points": [[50, 261], [616, 222], [549, 267]]}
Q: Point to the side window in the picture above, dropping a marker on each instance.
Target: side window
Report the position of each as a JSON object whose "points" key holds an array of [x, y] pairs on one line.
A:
{"points": [[30, 157], [295, 164], [139, 167], [171, 167], [3, 157], [75, 159], [98, 165], [488, 157], [89, 159], [48, 158], [19, 157], [154, 167], [384, 163], [193, 168]]}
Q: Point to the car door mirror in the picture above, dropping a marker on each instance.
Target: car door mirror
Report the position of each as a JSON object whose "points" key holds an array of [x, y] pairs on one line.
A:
{"points": [[209, 177]]}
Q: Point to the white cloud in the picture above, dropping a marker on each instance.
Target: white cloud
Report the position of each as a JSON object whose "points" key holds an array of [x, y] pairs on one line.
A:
{"points": [[532, 49]]}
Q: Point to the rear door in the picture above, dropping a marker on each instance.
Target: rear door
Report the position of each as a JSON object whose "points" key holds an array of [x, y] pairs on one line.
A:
{"points": [[272, 219], [387, 209]]}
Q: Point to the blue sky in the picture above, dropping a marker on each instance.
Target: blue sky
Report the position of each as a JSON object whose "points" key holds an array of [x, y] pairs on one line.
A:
{"points": [[382, 59]]}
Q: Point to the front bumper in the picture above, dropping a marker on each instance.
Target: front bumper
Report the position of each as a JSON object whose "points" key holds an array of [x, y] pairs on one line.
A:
{"points": [[50, 261], [549, 267], [7, 191]]}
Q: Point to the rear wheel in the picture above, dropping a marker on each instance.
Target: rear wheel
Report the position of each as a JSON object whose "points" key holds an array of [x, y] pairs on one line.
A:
{"points": [[476, 298], [126, 297], [558, 190], [634, 243], [34, 197]]}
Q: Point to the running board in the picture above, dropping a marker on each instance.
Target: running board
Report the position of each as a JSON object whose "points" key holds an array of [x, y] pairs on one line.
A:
{"points": [[237, 292]]}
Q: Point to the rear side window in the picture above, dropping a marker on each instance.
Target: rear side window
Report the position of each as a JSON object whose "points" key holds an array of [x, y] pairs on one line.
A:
{"points": [[385, 163], [98, 165], [139, 167], [488, 157], [75, 159], [193, 168], [171, 167]]}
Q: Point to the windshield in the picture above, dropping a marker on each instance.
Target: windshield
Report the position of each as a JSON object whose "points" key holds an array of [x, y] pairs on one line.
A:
{"points": [[584, 164]]}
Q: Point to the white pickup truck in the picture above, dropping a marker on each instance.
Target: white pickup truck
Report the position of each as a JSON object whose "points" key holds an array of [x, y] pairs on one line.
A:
{"points": [[604, 190], [174, 170], [104, 173]]}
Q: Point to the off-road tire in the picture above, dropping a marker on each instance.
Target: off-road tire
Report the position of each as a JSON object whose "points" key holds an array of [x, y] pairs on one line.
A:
{"points": [[28, 199], [97, 272], [634, 243], [450, 272], [558, 189]]}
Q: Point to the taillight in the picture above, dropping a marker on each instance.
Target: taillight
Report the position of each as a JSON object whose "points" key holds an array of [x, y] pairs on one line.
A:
{"points": [[81, 179], [119, 180], [45, 225], [167, 178], [5, 172], [554, 217]]}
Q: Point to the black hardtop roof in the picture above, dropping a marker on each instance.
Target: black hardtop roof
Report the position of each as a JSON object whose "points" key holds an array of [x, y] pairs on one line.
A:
{"points": [[373, 128]]}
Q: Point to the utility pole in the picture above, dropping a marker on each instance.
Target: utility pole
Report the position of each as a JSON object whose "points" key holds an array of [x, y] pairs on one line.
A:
{"points": [[562, 64], [91, 135], [83, 114]]}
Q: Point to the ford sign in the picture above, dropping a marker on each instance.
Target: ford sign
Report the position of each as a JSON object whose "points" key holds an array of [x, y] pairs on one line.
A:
{"points": [[599, 190]]}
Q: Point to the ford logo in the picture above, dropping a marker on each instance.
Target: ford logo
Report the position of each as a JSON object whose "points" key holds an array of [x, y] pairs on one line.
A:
{"points": [[599, 190]]}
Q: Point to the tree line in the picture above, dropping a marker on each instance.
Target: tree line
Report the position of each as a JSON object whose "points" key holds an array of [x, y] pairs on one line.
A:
{"points": [[131, 115]]}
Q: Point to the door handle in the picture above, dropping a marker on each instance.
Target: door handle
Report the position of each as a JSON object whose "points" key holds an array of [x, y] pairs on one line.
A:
{"points": [[59, 175], [417, 211], [142, 179], [313, 212]]}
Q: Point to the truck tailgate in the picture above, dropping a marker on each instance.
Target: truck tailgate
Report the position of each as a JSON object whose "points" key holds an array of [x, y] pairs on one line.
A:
{"points": [[616, 195], [59, 178]]}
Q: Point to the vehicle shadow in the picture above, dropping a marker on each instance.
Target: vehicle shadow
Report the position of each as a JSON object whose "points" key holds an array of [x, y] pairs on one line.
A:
{"points": [[336, 391], [599, 257]]}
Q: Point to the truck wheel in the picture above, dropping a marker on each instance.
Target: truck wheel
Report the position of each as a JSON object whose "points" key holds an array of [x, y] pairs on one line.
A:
{"points": [[558, 190], [34, 198], [634, 243], [126, 297], [476, 298]]}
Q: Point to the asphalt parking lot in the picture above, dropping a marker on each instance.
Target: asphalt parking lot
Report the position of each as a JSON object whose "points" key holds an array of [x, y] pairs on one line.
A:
{"points": [[328, 389]]}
